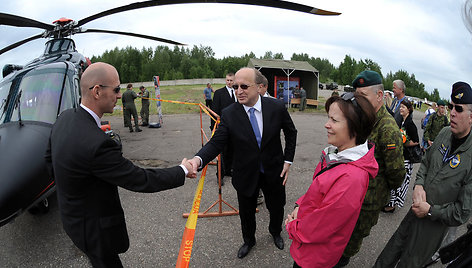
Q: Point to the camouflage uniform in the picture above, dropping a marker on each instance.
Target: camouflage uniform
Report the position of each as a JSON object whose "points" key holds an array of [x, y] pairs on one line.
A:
{"points": [[389, 155], [145, 107], [434, 125], [129, 108]]}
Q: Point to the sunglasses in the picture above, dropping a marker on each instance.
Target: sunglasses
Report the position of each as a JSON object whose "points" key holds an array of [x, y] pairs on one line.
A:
{"points": [[350, 97], [458, 108], [116, 89], [242, 86]]}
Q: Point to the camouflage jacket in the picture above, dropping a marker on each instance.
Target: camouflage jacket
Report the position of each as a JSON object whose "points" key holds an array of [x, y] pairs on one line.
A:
{"points": [[434, 125], [128, 99], [389, 155]]}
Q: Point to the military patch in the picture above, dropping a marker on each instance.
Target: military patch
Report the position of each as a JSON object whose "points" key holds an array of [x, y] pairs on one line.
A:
{"points": [[455, 161], [391, 146], [459, 96]]}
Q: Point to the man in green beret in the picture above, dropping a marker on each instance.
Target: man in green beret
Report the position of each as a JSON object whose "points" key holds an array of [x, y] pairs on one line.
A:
{"points": [[389, 155], [442, 196], [129, 108], [435, 123]]}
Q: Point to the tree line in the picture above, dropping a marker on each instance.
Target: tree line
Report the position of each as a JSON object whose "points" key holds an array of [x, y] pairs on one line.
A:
{"points": [[200, 62]]}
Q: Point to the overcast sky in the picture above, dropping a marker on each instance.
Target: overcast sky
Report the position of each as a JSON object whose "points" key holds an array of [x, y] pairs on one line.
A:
{"points": [[426, 38]]}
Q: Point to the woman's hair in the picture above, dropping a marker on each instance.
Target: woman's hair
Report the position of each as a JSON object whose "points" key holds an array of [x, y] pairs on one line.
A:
{"points": [[359, 113], [408, 105]]}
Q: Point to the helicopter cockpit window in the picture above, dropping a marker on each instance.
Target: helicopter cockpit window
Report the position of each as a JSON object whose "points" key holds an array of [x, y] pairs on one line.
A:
{"points": [[4, 89], [41, 91]]}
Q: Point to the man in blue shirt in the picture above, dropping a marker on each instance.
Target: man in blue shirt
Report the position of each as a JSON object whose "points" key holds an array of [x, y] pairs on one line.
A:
{"points": [[207, 95]]}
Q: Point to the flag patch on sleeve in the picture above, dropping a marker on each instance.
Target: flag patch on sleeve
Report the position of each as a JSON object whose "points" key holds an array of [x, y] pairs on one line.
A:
{"points": [[391, 146]]}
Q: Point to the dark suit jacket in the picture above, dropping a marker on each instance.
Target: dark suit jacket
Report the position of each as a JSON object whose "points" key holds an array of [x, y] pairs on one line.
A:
{"points": [[221, 100], [236, 129], [88, 166], [396, 115]]}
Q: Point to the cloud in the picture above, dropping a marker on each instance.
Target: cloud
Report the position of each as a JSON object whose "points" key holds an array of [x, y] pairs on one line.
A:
{"points": [[426, 38]]}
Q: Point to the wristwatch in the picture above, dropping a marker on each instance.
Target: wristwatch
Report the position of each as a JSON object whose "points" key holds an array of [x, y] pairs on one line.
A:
{"points": [[429, 211]]}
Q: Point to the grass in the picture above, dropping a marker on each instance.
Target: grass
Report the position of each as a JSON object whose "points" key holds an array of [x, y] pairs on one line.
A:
{"points": [[184, 93]]}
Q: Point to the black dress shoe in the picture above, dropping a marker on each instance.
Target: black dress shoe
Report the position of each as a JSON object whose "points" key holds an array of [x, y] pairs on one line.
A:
{"points": [[278, 241], [244, 250], [138, 129]]}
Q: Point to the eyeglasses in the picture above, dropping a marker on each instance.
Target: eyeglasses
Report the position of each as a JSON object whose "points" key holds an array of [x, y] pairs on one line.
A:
{"points": [[116, 89], [349, 96], [242, 86], [458, 108]]}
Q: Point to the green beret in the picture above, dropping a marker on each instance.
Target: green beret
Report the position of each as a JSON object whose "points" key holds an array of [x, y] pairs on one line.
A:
{"points": [[461, 93], [367, 78], [441, 102]]}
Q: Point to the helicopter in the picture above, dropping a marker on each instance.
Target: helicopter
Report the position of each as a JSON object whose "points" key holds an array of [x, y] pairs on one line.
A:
{"points": [[34, 95]]}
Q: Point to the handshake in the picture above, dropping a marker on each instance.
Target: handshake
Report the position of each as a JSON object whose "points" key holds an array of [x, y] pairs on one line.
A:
{"points": [[192, 166]]}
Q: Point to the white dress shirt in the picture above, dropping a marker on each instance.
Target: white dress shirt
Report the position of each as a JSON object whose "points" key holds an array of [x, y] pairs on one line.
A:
{"points": [[257, 113], [231, 90]]}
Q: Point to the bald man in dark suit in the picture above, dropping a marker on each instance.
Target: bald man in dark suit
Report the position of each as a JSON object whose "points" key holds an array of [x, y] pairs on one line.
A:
{"points": [[88, 165]]}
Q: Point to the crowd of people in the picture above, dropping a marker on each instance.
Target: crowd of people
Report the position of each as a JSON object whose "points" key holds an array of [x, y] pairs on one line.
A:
{"points": [[366, 169]]}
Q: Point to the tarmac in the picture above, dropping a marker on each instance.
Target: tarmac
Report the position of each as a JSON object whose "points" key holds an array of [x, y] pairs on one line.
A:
{"points": [[155, 223]]}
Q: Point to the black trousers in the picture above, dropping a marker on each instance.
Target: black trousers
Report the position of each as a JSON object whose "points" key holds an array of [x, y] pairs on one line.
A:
{"points": [[274, 194], [108, 261]]}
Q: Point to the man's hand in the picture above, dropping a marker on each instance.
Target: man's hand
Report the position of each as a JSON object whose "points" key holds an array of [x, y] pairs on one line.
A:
{"points": [[285, 172], [419, 195], [189, 167], [292, 216], [421, 209], [195, 162], [430, 142]]}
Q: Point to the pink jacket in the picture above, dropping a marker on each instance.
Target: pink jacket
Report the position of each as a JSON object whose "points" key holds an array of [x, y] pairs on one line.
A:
{"points": [[328, 211]]}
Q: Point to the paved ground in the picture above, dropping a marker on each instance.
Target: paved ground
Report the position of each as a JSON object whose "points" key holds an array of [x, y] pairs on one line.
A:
{"points": [[155, 221]]}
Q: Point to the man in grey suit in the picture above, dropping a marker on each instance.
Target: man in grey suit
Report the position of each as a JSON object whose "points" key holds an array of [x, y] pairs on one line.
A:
{"points": [[399, 93], [253, 128]]}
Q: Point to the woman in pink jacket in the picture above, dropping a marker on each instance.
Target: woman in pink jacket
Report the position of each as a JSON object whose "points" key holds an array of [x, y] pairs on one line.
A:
{"points": [[324, 217]]}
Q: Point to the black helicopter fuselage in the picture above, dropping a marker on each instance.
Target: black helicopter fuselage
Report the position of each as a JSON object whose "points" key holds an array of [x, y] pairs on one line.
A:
{"points": [[31, 98]]}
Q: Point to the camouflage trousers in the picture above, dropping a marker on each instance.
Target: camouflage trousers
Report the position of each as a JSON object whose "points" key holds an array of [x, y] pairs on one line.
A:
{"points": [[127, 115], [367, 219]]}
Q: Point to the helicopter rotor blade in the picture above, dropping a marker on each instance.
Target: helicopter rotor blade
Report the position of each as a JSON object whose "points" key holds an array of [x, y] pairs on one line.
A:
{"points": [[14, 20], [133, 34], [267, 3], [19, 43]]}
